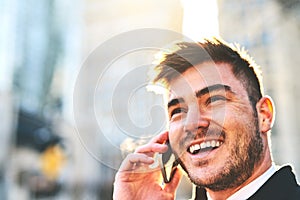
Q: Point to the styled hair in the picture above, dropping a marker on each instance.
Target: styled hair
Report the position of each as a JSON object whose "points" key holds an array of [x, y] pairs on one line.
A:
{"points": [[214, 50]]}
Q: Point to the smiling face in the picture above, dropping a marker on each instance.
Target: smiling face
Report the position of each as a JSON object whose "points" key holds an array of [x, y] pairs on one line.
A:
{"points": [[213, 128]]}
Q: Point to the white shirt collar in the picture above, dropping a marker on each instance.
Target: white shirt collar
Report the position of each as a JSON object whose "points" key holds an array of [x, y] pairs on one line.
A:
{"points": [[251, 188]]}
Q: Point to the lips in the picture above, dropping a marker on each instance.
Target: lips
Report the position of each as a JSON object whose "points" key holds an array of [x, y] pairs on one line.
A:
{"points": [[204, 145]]}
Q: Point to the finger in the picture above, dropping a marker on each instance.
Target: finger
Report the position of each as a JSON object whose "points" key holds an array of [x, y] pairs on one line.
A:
{"points": [[134, 159], [152, 148], [160, 138], [172, 186]]}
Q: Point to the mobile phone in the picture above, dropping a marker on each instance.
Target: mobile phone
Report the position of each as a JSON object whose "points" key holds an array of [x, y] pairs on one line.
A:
{"points": [[168, 164]]}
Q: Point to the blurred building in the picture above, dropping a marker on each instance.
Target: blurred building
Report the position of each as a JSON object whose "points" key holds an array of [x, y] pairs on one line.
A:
{"points": [[116, 115], [270, 31], [48, 45]]}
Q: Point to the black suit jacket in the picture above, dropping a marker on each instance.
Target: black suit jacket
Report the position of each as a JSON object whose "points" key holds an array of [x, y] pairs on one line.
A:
{"points": [[281, 186]]}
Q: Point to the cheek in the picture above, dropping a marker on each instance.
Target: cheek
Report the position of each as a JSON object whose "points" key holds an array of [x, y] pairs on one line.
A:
{"points": [[175, 130], [221, 116], [175, 133], [232, 116], [239, 128]]}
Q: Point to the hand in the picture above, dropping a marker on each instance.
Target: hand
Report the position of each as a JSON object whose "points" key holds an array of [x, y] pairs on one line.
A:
{"points": [[135, 180]]}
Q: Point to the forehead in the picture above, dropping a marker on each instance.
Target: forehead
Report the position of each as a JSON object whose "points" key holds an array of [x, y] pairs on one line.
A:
{"points": [[204, 75]]}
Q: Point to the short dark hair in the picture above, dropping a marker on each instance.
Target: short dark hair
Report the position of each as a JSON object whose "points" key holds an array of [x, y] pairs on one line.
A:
{"points": [[190, 54]]}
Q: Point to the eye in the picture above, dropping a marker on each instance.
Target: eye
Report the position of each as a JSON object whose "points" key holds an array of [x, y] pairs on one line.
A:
{"points": [[215, 98], [177, 111]]}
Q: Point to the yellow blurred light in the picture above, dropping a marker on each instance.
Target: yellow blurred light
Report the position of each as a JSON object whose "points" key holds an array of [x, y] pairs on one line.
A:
{"points": [[52, 161]]}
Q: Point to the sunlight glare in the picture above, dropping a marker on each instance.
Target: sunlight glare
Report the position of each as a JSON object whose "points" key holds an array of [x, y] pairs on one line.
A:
{"points": [[200, 19]]}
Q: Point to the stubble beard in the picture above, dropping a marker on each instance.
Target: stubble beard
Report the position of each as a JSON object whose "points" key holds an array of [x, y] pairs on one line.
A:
{"points": [[238, 168]]}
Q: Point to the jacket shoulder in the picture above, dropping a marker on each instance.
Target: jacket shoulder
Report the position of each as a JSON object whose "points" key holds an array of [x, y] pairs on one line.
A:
{"points": [[281, 186]]}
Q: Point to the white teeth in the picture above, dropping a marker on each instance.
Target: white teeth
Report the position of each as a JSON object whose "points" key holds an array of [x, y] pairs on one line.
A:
{"points": [[208, 144], [192, 149], [203, 145], [213, 143], [197, 147]]}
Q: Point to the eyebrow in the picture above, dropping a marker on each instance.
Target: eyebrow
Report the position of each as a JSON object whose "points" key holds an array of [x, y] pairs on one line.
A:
{"points": [[202, 92], [213, 88], [174, 102]]}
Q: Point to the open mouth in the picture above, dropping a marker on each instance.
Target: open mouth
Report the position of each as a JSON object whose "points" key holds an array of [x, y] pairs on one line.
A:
{"points": [[204, 146]]}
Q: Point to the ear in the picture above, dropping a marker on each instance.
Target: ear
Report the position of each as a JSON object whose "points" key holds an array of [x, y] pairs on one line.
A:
{"points": [[266, 113]]}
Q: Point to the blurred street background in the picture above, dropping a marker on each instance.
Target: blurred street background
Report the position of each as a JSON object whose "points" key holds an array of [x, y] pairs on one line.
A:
{"points": [[47, 154]]}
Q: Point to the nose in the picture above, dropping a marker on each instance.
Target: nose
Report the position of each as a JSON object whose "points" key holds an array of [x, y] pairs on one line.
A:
{"points": [[195, 120]]}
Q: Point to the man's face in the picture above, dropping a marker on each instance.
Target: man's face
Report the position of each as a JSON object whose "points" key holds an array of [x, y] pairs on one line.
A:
{"points": [[212, 127]]}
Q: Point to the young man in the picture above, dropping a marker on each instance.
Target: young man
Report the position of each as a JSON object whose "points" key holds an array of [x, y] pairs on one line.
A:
{"points": [[219, 126]]}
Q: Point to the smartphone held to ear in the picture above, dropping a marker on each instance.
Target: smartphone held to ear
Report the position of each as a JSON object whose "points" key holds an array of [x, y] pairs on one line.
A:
{"points": [[168, 164]]}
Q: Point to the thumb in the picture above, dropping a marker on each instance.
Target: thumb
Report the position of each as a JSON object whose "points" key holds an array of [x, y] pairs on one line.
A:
{"points": [[172, 186]]}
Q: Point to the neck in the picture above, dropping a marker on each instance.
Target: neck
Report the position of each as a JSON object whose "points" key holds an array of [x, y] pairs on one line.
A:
{"points": [[259, 169]]}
